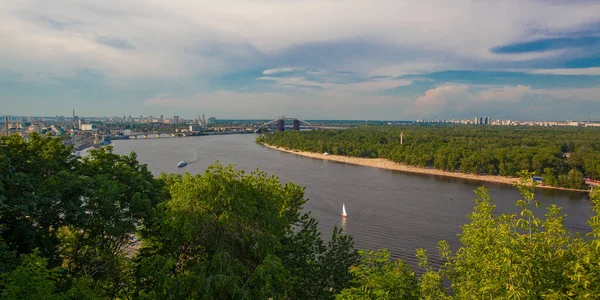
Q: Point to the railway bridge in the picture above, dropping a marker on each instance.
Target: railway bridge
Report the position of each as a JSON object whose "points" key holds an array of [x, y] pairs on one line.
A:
{"points": [[279, 125]]}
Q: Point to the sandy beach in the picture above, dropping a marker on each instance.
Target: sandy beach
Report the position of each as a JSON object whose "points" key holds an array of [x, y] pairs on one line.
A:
{"points": [[390, 165]]}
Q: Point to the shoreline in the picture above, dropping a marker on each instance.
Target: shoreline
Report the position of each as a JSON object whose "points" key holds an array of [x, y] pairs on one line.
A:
{"points": [[382, 163]]}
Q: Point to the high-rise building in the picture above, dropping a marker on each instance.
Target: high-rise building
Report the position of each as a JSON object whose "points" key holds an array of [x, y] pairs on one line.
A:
{"points": [[296, 124], [176, 120], [480, 121], [281, 125], [212, 120]]}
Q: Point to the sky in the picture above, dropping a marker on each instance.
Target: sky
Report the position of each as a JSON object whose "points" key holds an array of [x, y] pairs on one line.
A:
{"points": [[309, 59]]}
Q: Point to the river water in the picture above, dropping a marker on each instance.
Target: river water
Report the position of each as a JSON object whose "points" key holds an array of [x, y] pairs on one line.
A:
{"points": [[386, 209]]}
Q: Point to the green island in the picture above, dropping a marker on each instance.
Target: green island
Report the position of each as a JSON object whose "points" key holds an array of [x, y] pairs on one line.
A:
{"points": [[103, 227], [557, 156]]}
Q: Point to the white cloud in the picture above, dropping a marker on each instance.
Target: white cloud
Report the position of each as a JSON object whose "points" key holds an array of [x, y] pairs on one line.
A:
{"points": [[408, 68], [575, 94], [280, 70], [165, 34], [452, 100], [575, 71], [505, 94], [437, 100], [329, 104], [365, 86]]}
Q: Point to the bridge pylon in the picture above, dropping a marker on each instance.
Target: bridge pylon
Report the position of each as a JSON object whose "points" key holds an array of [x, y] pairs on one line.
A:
{"points": [[296, 122]]}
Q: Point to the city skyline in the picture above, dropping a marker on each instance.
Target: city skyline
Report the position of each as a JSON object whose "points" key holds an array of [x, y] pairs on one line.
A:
{"points": [[384, 60]]}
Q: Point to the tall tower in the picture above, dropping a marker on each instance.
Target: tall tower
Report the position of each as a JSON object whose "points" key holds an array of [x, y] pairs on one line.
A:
{"points": [[75, 122], [401, 138]]}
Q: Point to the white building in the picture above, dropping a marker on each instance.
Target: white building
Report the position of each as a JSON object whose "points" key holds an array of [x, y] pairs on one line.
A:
{"points": [[89, 127]]}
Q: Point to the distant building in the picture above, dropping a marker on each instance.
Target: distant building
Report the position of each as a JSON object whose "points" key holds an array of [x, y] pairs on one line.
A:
{"points": [[89, 127], [176, 120], [281, 125], [33, 128], [195, 128], [212, 120]]}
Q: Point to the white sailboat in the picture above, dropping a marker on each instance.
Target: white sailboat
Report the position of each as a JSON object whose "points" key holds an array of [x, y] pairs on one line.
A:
{"points": [[344, 214]]}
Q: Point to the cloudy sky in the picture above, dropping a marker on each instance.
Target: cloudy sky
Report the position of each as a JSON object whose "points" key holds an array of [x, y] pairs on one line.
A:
{"points": [[311, 59]]}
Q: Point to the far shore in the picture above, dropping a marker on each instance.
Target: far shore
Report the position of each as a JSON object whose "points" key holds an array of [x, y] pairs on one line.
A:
{"points": [[390, 165]]}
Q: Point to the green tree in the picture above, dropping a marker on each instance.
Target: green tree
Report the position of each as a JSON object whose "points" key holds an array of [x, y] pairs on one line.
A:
{"points": [[510, 256], [583, 271], [378, 277], [119, 194], [77, 212], [229, 234], [575, 179], [549, 177], [32, 280], [40, 192]]}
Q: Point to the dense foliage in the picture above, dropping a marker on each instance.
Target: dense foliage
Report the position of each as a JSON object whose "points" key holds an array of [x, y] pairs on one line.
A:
{"points": [[563, 156], [66, 227], [226, 234], [66, 222], [510, 256], [70, 215]]}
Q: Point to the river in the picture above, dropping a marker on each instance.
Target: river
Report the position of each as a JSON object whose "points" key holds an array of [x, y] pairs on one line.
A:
{"points": [[386, 209]]}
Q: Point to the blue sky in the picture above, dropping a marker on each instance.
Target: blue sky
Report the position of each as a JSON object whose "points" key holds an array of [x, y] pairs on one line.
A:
{"points": [[312, 59]]}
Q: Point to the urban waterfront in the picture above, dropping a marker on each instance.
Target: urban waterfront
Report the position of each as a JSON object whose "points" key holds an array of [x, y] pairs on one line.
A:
{"points": [[387, 209]]}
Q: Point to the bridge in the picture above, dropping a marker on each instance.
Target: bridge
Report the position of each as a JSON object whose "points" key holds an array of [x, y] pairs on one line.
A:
{"points": [[156, 134], [159, 134], [296, 122]]}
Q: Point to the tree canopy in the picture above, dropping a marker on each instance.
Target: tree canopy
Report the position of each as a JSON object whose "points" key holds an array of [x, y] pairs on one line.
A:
{"points": [[69, 228], [563, 156]]}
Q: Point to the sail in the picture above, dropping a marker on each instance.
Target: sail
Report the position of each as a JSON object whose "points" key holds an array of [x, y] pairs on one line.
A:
{"points": [[344, 210]]}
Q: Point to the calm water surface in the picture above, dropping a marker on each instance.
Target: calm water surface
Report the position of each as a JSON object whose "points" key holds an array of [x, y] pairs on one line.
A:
{"points": [[386, 209]]}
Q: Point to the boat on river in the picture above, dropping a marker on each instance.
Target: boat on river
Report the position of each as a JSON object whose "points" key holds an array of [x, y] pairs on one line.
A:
{"points": [[182, 163], [344, 214]]}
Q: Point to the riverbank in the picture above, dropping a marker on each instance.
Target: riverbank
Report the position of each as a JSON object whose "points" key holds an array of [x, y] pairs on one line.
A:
{"points": [[390, 165]]}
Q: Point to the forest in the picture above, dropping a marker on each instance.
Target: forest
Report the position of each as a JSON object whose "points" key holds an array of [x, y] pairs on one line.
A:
{"points": [[70, 228], [561, 156]]}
